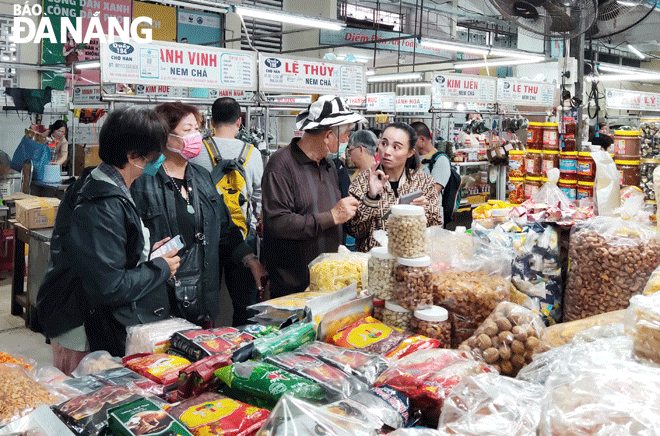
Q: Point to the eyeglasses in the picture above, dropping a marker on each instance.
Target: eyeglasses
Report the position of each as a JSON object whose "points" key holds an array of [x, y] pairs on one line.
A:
{"points": [[351, 148]]}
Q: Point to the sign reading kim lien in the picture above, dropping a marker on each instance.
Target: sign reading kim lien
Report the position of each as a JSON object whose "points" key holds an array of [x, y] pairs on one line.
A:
{"points": [[173, 64]]}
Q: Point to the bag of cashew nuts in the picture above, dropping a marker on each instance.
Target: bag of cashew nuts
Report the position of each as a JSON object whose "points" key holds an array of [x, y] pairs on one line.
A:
{"points": [[610, 261], [508, 338]]}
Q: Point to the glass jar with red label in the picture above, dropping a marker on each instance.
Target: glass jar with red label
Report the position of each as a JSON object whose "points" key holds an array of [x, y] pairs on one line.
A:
{"points": [[550, 136], [532, 186], [550, 160], [630, 172], [627, 144], [535, 136], [516, 163], [534, 163], [585, 190], [586, 167], [568, 187], [516, 190]]}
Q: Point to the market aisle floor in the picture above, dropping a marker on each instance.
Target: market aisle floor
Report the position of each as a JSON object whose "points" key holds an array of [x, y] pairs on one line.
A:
{"points": [[14, 336]]}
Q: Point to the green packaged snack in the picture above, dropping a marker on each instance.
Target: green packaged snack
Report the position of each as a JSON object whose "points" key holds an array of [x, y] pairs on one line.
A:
{"points": [[268, 381], [284, 340], [246, 398], [142, 417]]}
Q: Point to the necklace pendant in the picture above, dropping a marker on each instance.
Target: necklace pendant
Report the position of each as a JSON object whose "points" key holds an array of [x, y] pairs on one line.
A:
{"points": [[191, 210]]}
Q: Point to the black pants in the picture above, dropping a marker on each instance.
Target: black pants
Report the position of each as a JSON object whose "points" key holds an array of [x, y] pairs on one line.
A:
{"points": [[242, 290]]}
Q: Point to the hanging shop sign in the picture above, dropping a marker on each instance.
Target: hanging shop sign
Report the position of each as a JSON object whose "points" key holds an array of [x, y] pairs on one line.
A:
{"points": [[413, 103], [59, 100], [356, 100], [86, 94], [174, 64], [162, 18], [525, 93], [161, 91], [407, 43], [299, 99], [280, 74], [381, 102], [198, 27], [240, 96], [463, 88], [632, 100]]}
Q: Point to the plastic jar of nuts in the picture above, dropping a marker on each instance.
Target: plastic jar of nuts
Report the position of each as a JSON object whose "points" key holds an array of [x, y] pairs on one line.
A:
{"points": [[381, 273], [433, 323], [379, 306], [406, 231], [396, 316], [414, 283]]}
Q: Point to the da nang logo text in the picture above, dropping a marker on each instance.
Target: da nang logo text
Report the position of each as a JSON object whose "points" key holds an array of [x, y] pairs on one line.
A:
{"points": [[25, 29]]}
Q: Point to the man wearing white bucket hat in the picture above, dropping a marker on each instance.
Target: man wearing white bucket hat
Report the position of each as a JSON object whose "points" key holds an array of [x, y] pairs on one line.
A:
{"points": [[303, 211]]}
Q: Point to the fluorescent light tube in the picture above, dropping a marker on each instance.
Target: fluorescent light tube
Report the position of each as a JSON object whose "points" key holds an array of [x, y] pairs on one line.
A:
{"points": [[370, 72], [468, 48], [284, 17], [496, 63], [413, 85], [625, 78], [637, 52], [87, 65], [393, 77]]}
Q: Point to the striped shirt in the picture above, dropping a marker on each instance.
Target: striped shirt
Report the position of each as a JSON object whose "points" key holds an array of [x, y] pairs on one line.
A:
{"points": [[369, 216], [298, 194]]}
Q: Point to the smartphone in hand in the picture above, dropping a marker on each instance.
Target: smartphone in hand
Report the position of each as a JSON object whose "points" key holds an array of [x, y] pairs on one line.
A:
{"points": [[408, 198], [174, 243]]}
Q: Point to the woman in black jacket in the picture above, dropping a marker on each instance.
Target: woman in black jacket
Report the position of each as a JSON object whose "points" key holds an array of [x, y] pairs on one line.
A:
{"points": [[182, 200], [100, 279]]}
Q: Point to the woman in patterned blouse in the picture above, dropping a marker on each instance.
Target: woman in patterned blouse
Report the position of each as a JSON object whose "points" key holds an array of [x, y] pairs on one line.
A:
{"points": [[381, 186]]}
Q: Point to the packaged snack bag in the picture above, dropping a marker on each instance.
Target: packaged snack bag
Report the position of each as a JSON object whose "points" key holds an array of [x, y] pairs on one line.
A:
{"points": [[161, 368], [197, 344], [143, 417], [369, 335]]}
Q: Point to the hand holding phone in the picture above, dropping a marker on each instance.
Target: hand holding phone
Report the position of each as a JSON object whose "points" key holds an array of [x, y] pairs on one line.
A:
{"points": [[174, 243], [408, 198]]}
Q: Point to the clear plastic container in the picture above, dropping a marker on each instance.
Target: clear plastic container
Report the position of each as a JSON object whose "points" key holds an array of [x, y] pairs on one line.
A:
{"points": [[568, 162], [381, 273], [550, 136], [379, 306], [516, 190], [406, 231], [534, 163], [535, 136], [630, 172], [627, 144], [550, 160], [433, 323], [586, 167], [414, 283], [585, 190], [568, 187], [397, 316], [516, 163], [532, 186]]}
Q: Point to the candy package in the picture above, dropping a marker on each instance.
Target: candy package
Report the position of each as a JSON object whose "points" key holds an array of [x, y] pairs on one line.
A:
{"points": [[40, 422], [428, 376], [197, 344], [198, 377], [331, 272], [365, 366], [336, 383], [257, 330], [369, 335], [412, 344], [284, 340], [144, 417], [387, 404], [293, 416], [508, 339], [268, 381], [494, 405], [88, 414], [154, 337], [95, 362], [215, 414], [161, 368], [131, 380], [20, 394]]}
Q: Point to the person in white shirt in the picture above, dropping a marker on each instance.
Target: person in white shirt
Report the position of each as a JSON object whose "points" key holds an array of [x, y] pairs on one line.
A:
{"points": [[226, 118], [442, 168]]}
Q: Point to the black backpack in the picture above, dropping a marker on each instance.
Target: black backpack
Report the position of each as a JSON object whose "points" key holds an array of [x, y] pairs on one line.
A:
{"points": [[451, 194]]}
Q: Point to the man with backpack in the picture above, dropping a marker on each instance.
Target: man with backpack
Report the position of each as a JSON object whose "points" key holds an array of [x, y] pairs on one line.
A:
{"points": [[436, 163], [236, 168]]}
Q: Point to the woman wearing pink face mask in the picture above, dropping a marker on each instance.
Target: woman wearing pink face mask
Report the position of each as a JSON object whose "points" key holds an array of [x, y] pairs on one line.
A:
{"points": [[182, 200]]}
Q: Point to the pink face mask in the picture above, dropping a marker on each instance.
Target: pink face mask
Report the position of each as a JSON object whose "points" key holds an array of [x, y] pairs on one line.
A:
{"points": [[192, 145]]}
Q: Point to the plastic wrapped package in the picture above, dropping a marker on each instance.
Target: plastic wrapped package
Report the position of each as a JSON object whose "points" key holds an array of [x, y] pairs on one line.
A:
{"points": [[40, 422], [387, 404], [417, 431], [284, 340], [267, 381], [154, 337], [643, 322], [197, 344], [331, 272], [161, 368], [336, 383], [493, 405], [412, 344], [130, 380], [55, 382], [602, 402], [18, 360], [215, 414], [365, 366], [369, 335], [611, 260], [198, 377], [143, 417], [507, 339], [560, 334], [294, 417], [653, 285], [428, 376], [95, 362], [20, 394]]}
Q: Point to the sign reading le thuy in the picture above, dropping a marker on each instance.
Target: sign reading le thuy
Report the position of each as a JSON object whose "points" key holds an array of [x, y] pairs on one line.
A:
{"points": [[173, 64]]}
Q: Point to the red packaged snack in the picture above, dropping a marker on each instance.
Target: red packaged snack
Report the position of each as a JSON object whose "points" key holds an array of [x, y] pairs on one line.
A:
{"points": [[428, 376], [336, 382], [215, 414], [197, 344], [198, 377], [412, 344], [159, 367], [370, 335]]}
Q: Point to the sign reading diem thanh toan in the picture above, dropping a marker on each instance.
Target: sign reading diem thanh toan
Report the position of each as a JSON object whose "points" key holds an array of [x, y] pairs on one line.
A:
{"points": [[287, 74], [173, 64]]}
